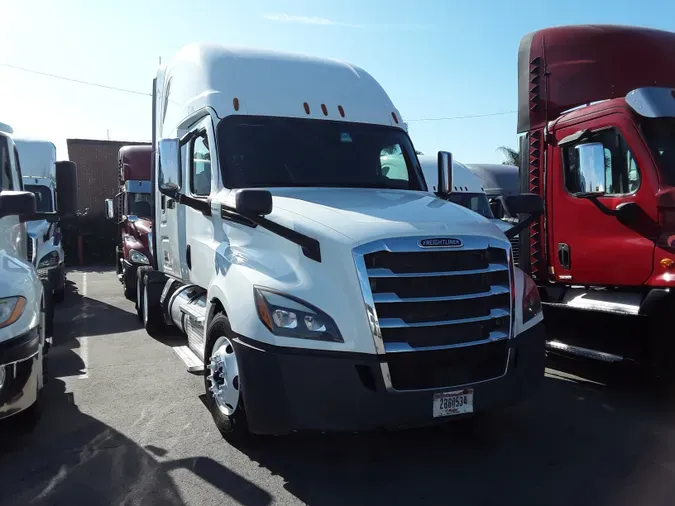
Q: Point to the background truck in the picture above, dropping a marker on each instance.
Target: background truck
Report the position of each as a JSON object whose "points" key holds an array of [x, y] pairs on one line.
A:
{"points": [[596, 107], [45, 250], [25, 315], [132, 207], [316, 290]]}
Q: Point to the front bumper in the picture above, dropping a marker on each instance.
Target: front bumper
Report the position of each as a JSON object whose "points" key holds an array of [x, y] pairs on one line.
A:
{"points": [[55, 275], [20, 357], [289, 389]]}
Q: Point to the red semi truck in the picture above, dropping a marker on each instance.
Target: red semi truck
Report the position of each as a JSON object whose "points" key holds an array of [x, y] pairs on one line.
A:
{"points": [[132, 207], [596, 107]]}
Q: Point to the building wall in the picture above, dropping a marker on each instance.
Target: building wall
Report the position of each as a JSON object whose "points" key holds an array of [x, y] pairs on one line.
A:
{"points": [[97, 177]]}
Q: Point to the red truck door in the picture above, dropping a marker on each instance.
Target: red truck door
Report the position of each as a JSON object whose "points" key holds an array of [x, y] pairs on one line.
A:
{"points": [[587, 243]]}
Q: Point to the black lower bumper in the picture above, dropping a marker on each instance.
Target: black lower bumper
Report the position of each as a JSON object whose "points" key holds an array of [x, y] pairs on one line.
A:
{"points": [[56, 277], [286, 389], [20, 361]]}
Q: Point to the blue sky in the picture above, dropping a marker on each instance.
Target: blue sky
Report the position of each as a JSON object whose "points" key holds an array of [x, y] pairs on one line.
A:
{"points": [[435, 58]]}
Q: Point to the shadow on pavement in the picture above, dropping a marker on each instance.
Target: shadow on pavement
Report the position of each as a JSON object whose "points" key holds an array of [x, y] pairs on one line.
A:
{"points": [[80, 315], [567, 445], [72, 458]]}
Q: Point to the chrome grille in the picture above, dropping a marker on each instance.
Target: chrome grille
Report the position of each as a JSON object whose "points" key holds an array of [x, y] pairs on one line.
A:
{"points": [[448, 305], [30, 248], [515, 247]]}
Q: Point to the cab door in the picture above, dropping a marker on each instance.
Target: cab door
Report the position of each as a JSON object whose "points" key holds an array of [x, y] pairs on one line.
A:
{"points": [[201, 182], [597, 170]]}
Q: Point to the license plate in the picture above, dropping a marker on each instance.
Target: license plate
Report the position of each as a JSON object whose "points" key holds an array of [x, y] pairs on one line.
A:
{"points": [[453, 403]]}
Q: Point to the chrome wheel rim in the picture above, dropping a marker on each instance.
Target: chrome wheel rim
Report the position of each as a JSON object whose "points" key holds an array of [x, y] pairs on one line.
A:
{"points": [[224, 376], [145, 304]]}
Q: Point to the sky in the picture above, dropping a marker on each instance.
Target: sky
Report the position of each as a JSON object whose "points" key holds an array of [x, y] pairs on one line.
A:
{"points": [[435, 58]]}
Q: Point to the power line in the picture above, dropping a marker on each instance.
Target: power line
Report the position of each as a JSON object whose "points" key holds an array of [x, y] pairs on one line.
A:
{"points": [[469, 116], [135, 92], [70, 79]]}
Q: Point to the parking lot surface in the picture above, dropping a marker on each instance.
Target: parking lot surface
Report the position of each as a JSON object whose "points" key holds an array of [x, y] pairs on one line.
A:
{"points": [[124, 423]]}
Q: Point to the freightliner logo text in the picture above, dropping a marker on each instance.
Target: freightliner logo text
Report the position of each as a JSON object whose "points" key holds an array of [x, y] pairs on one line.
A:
{"points": [[440, 242]]}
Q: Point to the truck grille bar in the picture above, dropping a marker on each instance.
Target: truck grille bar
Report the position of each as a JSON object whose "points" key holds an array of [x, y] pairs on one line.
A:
{"points": [[436, 304]]}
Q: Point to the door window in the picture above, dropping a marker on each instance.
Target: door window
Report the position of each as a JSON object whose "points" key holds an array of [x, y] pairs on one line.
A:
{"points": [[200, 170], [600, 164], [6, 181]]}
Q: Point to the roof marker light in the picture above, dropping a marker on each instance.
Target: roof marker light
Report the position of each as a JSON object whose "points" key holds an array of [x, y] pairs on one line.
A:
{"points": [[235, 103], [341, 111], [324, 109], [306, 106], [393, 115]]}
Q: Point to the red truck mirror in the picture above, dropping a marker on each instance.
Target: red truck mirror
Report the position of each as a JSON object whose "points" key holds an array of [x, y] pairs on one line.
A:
{"points": [[109, 209]]}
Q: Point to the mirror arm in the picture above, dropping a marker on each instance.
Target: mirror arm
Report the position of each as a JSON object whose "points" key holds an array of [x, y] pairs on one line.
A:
{"points": [[516, 229], [603, 209], [49, 217], [202, 206]]}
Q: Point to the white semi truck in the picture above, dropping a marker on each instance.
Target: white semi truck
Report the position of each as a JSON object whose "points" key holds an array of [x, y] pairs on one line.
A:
{"points": [[25, 314], [45, 250], [316, 290]]}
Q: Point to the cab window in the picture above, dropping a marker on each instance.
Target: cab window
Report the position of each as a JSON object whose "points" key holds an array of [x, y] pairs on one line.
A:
{"points": [[6, 181], [200, 170]]}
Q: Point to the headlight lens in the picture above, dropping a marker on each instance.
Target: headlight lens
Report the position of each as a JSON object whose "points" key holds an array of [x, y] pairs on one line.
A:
{"points": [[531, 299], [290, 317], [11, 308], [49, 260], [138, 258]]}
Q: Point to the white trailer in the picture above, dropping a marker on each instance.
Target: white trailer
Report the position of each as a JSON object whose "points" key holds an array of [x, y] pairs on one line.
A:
{"points": [[316, 290]]}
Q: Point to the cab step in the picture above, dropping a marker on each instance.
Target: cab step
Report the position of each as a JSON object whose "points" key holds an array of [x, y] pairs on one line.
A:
{"points": [[578, 351], [192, 362]]}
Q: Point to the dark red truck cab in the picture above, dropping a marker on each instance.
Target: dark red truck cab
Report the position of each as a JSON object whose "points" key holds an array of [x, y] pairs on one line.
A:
{"points": [[132, 207], [596, 107]]}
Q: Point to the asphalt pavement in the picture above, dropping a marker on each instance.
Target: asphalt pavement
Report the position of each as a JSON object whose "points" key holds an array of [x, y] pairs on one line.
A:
{"points": [[124, 423]]}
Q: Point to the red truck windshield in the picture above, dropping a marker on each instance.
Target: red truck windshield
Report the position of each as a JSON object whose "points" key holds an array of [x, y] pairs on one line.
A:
{"points": [[660, 134]]}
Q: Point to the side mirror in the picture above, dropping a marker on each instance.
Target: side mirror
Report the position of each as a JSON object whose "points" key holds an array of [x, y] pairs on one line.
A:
{"points": [[132, 218], [15, 203], [169, 165], [525, 203], [66, 188], [592, 175], [109, 209], [444, 172], [253, 202]]}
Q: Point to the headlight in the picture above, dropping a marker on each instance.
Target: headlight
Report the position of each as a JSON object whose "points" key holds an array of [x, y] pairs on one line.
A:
{"points": [[49, 260], [531, 299], [11, 309], [137, 257], [290, 317], [150, 243]]}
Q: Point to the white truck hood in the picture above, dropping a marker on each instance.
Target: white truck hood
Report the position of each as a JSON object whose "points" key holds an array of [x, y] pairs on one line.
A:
{"points": [[362, 215], [37, 228]]}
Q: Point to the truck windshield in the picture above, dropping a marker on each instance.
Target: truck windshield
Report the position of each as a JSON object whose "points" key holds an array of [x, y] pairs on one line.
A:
{"points": [[140, 204], [660, 133], [287, 152], [43, 197], [477, 202]]}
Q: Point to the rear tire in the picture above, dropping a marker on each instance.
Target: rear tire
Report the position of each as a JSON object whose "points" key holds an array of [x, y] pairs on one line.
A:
{"points": [[129, 283], [230, 419], [59, 295], [140, 274]]}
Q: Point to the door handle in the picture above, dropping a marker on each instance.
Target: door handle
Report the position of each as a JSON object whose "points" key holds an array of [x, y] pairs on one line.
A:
{"points": [[188, 257], [564, 256], [170, 203]]}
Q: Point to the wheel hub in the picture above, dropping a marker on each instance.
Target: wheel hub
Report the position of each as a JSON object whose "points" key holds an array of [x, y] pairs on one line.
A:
{"points": [[224, 376]]}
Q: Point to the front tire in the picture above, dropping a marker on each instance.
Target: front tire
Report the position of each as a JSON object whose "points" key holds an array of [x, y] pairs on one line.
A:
{"points": [[222, 381], [151, 306], [129, 283]]}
